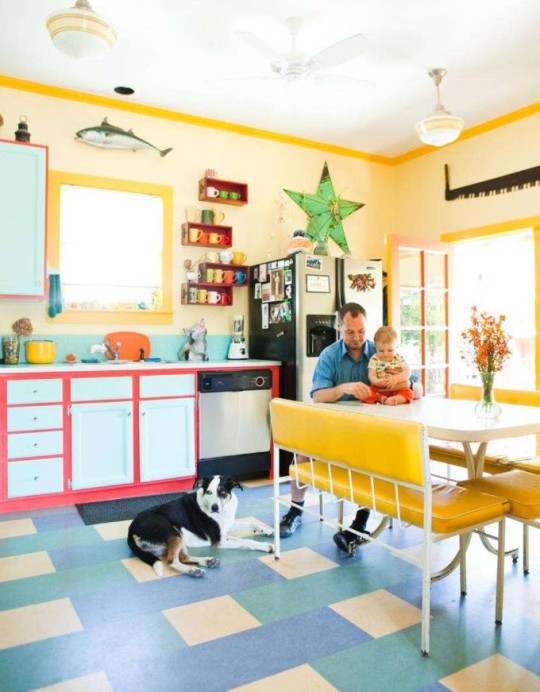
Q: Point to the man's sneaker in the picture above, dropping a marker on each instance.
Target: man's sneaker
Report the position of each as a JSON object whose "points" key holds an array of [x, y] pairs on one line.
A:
{"points": [[289, 523], [348, 541]]}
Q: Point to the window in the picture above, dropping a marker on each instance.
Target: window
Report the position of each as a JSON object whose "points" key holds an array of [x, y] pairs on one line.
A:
{"points": [[111, 242], [497, 274]]}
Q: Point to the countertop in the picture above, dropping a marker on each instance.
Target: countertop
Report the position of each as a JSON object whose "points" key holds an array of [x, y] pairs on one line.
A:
{"points": [[134, 366]]}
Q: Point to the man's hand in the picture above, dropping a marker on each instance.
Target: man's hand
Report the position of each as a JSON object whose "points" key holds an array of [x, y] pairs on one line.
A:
{"points": [[357, 389]]}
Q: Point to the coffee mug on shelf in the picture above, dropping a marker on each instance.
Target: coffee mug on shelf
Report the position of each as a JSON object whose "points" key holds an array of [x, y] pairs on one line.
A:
{"points": [[234, 195], [224, 194], [207, 216], [212, 192], [202, 295], [212, 257], [192, 276], [193, 214], [218, 276], [195, 235], [228, 276], [219, 217], [214, 238], [225, 299], [225, 240], [209, 276], [238, 258], [192, 295], [225, 256], [214, 297], [239, 277]]}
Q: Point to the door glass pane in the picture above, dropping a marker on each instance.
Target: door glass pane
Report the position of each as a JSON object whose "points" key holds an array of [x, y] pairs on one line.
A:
{"points": [[434, 269], [410, 307], [436, 381], [411, 346], [410, 273], [435, 308], [435, 346]]}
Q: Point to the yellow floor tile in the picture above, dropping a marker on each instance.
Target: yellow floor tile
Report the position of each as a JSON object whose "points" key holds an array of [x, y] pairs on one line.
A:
{"points": [[17, 527], [95, 682], [441, 553], [298, 563], [496, 674], [113, 530], [257, 482], [378, 613], [300, 679], [22, 566], [211, 619], [36, 622]]}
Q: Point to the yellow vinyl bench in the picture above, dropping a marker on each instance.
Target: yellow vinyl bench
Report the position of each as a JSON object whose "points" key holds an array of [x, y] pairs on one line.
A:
{"points": [[386, 467], [514, 485]]}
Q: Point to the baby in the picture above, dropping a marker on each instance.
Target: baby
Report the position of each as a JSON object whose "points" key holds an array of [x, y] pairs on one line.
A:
{"points": [[388, 372]]}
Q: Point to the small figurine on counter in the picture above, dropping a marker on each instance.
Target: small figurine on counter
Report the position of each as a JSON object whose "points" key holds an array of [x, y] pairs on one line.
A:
{"points": [[195, 347], [299, 242]]}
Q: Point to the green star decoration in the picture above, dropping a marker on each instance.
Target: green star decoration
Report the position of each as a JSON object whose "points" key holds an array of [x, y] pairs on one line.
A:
{"points": [[325, 212]]}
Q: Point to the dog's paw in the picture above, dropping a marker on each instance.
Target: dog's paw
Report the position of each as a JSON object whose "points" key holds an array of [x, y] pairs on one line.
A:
{"points": [[195, 572], [270, 548], [263, 530], [212, 562], [158, 568]]}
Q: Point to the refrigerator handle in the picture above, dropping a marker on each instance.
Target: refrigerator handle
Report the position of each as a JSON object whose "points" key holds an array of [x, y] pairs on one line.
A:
{"points": [[340, 283]]}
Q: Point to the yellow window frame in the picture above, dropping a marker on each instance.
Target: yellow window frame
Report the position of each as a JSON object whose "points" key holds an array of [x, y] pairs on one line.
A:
{"points": [[163, 316]]}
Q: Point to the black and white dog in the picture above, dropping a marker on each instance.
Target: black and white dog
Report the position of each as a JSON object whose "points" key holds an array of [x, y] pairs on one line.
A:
{"points": [[203, 517]]}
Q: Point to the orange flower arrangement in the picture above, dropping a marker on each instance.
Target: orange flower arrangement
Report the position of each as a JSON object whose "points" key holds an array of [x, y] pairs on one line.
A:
{"points": [[487, 340]]}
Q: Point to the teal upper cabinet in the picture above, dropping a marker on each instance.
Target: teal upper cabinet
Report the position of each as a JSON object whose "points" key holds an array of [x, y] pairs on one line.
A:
{"points": [[23, 182]]}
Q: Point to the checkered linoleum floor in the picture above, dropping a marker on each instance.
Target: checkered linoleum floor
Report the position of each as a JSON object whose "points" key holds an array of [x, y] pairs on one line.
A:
{"points": [[79, 612]]}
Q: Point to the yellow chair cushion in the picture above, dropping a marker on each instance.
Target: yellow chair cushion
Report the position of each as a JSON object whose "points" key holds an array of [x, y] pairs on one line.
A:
{"points": [[520, 488], [454, 508], [449, 454]]}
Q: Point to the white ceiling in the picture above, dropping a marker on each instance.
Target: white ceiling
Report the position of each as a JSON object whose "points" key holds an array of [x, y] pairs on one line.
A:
{"points": [[185, 55]]}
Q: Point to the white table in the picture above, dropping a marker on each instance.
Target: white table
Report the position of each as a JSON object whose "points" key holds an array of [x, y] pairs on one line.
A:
{"points": [[454, 420]]}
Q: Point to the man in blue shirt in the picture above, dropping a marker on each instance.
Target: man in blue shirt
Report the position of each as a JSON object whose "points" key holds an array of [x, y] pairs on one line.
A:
{"points": [[341, 374]]}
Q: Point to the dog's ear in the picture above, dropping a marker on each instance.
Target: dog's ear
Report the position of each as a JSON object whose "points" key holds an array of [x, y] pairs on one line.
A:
{"points": [[234, 483], [198, 483]]}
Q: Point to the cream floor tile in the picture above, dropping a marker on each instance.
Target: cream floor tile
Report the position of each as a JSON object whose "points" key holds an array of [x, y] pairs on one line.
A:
{"points": [[113, 530], [95, 682], [298, 563], [441, 553], [17, 527], [211, 619], [28, 565], [257, 482], [378, 613], [142, 572], [496, 674], [300, 679], [36, 622]]}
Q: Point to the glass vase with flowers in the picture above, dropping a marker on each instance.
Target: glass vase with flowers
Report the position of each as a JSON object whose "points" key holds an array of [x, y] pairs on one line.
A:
{"points": [[11, 345], [488, 347]]}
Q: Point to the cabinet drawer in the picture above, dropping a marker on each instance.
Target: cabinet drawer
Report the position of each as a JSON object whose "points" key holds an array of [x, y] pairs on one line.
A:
{"points": [[101, 388], [34, 444], [34, 418], [36, 477], [166, 385], [34, 391]]}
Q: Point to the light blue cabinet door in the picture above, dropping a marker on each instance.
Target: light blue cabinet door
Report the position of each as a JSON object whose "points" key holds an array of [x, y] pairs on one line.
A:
{"points": [[23, 172], [102, 444], [167, 439]]}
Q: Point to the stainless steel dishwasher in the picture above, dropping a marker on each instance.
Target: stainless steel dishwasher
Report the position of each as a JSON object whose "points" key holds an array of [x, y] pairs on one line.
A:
{"points": [[234, 423]]}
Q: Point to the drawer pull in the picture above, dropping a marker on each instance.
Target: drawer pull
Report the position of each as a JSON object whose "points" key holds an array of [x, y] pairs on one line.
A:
{"points": [[36, 478], [35, 391], [35, 419], [36, 444]]}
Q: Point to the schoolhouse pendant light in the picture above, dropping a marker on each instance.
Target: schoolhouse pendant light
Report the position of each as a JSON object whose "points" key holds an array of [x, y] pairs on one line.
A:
{"points": [[80, 32], [441, 127]]}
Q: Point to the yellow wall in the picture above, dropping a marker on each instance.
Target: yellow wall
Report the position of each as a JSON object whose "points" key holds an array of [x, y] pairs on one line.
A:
{"points": [[421, 209], [267, 166]]}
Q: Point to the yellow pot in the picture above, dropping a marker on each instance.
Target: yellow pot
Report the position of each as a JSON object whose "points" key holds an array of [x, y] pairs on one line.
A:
{"points": [[40, 351]]}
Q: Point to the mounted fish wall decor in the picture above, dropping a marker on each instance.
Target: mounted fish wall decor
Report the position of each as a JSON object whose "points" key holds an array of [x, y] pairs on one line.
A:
{"points": [[494, 186], [110, 137]]}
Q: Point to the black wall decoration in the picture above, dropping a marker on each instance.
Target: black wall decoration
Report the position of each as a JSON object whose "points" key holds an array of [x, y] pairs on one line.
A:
{"points": [[505, 183]]}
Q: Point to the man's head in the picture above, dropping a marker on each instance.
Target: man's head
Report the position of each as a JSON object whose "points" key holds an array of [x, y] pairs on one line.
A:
{"points": [[352, 327]]}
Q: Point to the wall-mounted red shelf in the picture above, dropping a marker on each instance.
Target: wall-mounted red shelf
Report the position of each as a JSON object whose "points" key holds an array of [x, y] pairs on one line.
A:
{"points": [[226, 188], [206, 229]]}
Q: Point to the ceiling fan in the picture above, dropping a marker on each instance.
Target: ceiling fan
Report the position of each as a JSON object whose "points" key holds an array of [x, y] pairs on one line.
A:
{"points": [[295, 66]]}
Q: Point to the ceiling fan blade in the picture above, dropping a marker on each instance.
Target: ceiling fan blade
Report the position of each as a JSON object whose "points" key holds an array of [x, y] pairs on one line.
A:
{"points": [[341, 51], [257, 45], [342, 81]]}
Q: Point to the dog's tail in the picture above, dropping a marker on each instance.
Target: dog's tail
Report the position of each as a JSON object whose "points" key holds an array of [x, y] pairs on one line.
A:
{"points": [[148, 558]]}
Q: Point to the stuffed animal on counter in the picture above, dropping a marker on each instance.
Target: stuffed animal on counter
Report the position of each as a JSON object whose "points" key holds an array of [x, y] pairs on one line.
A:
{"points": [[195, 347]]}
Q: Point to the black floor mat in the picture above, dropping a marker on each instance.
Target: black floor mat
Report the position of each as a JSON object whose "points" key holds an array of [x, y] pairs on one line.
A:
{"points": [[120, 510]]}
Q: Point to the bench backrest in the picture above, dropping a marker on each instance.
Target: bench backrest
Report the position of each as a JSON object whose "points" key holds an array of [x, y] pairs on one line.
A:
{"points": [[396, 450]]}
